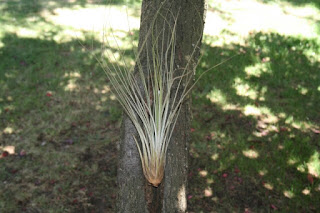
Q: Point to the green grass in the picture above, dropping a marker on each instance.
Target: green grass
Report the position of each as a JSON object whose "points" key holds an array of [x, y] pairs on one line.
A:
{"points": [[255, 141], [60, 130], [274, 143]]}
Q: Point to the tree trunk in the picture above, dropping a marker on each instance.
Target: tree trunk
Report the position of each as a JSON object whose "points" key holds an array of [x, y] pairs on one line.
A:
{"points": [[135, 194]]}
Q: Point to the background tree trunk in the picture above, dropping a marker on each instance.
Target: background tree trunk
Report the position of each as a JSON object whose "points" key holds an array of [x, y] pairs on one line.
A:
{"points": [[135, 194]]}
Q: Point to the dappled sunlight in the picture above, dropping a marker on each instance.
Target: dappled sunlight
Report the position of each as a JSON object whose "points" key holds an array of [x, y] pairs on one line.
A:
{"points": [[9, 98], [302, 90], [113, 57], [71, 85], [232, 157], [5, 151], [105, 89], [10, 75], [29, 27], [264, 115], [6, 109], [250, 153], [292, 160], [72, 78], [268, 186], [215, 24], [9, 149], [255, 128], [203, 173], [98, 20], [288, 194], [208, 192], [215, 156], [314, 165], [75, 75], [263, 172], [246, 87], [260, 134], [308, 11], [252, 110], [28, 33], [210, 181], [64, 24], [8, 130], [182, 202], [306, 191], [302, 168], [244, 17], [113, 97], [301, 125], [217, 96], [257, 70], [230, 107], [243, 89], [105, 95], [312, 55]]}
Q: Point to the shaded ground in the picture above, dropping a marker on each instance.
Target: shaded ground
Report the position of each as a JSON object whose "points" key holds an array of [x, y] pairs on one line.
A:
{"points": [[247, 152], [64, 156], [255, 131]]}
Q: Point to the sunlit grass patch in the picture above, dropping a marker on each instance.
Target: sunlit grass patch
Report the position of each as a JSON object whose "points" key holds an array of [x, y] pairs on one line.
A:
{"points": [[252, 154], [242, 18], [55, 127], [264, 102], [314, 165], [243, 89], [103, 20], [216, 96], [257, 70]]}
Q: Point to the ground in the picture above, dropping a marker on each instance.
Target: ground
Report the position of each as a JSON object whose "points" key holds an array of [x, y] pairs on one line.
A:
{"points": [[255, 124]]}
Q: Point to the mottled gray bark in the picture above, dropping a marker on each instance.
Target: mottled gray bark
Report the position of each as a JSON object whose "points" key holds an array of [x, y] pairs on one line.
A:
{"points": [[135, 195], [130, 176]]}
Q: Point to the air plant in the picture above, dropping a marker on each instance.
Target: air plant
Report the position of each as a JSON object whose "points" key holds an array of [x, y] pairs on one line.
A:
{"points": [[152, 95]]}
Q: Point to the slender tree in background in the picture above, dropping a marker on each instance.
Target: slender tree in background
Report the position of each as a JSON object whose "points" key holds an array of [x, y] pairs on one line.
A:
{"points": [[169, 44]]}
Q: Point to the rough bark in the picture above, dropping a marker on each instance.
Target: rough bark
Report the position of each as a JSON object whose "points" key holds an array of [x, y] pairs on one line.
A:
{"points": [[135, 194], [130, 176]]}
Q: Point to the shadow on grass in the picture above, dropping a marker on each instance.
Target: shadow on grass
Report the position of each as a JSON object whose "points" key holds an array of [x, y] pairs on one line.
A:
{"points": [[256, 127], [55, 98]]}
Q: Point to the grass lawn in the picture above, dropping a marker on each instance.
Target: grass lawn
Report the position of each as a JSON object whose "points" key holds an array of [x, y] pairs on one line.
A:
{"points": [[256, 118]]}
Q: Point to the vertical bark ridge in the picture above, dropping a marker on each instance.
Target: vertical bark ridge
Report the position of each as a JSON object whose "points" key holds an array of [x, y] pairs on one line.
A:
{"points": [[130, 176], [135, 194]]}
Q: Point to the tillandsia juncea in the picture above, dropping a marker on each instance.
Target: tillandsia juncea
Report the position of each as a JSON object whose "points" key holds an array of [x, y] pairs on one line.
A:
{"points": [[151, 94], [147, 96]]}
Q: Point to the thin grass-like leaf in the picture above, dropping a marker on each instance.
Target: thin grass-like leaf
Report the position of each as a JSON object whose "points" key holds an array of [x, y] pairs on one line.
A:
{"points": [[152, 96]]}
